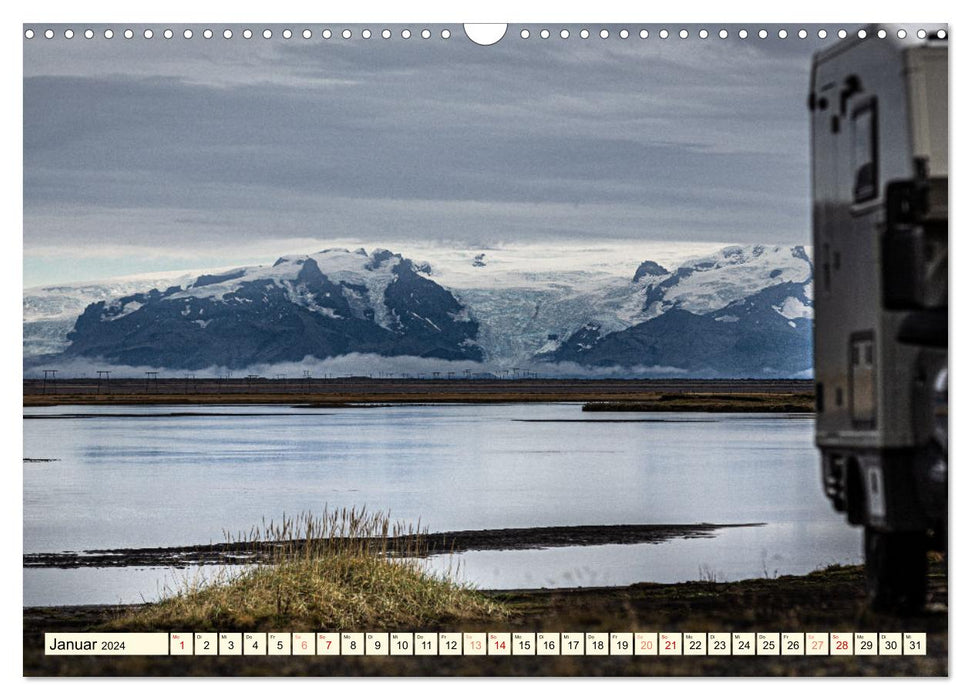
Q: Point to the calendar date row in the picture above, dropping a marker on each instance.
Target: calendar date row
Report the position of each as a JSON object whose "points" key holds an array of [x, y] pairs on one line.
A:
{"points": [[487, 644]]}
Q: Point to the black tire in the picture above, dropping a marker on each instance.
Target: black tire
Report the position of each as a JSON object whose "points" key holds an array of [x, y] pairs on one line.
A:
{"points": [[896, 570]]}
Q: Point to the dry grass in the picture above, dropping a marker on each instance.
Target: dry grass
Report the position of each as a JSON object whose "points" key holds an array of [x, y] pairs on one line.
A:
{"points": [[335, 572]]}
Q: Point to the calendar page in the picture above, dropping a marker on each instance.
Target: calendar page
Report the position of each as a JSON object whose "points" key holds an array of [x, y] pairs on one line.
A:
{"points": [[540, 349]]}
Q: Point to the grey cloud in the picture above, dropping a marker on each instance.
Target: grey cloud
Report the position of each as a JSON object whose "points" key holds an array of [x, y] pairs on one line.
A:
{"points": [[704, 140]]}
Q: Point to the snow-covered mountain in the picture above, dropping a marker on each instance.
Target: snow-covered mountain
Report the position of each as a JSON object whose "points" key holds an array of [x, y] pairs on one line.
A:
{"points": [[50, 312], [745, 311], [378, 303], [537, 316], [739, 311]]}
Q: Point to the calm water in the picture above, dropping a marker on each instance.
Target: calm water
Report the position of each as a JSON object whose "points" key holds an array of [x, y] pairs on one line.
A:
{"points": [[157, 479]]}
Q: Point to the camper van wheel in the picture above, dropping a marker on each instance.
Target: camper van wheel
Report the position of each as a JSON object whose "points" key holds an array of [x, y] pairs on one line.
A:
{"points": [[896, 570]]}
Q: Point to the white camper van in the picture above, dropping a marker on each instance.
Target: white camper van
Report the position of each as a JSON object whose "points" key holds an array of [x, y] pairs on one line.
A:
{"points": [[880, 190]]}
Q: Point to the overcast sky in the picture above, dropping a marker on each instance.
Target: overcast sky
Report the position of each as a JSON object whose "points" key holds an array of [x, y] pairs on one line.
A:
{"points": [[144, 155]]}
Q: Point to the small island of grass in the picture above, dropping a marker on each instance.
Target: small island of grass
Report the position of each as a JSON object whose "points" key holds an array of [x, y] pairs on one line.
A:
{"points": [[337, 572]]}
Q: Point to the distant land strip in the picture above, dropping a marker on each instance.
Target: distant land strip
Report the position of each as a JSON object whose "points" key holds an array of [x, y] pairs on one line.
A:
{"points": [[339, 392], [713, 402], [241, 553]]}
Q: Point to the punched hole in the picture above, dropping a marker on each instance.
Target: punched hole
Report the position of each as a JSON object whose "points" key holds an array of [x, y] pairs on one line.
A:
{"points": [[485, 34]]}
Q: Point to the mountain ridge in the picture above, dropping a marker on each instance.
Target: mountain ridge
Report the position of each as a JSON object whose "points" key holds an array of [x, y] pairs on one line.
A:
{"points": [[743, 310]]}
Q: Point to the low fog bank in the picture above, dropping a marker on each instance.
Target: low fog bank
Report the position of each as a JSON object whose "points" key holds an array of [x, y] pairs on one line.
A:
{"points": [[378, 366]]}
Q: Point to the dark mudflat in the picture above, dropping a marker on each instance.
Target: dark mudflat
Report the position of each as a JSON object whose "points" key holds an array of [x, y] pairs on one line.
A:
{"points": [[435, 543]]}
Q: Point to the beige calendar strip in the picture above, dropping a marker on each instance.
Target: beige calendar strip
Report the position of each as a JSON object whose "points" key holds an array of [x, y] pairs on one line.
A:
{"points": [[486, 644]]}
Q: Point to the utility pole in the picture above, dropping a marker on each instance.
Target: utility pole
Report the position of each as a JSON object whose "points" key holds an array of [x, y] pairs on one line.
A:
{"points": [[50, 374]]}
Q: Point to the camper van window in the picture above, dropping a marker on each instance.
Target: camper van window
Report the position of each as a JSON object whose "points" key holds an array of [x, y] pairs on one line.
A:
{"points": [[865, 152]]}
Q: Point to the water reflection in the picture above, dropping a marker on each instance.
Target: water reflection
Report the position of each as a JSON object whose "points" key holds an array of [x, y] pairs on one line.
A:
{"points": [[118, 481]]}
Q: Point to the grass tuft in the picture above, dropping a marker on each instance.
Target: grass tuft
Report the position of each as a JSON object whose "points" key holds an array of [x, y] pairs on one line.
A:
{"points": [[344, 570]]}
